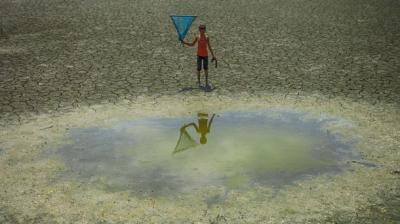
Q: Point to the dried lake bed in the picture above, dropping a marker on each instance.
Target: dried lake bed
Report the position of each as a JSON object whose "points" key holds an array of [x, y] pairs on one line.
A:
{"points": [[42, 186], [77, 72]]}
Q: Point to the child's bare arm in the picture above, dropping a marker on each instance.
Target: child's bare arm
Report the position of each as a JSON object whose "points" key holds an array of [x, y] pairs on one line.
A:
{"points": [[209, 47], [190, 44], [187, 125], [209, 123]]}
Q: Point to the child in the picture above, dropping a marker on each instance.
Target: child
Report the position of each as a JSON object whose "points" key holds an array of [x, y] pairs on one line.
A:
{"points": [[203, 42]]}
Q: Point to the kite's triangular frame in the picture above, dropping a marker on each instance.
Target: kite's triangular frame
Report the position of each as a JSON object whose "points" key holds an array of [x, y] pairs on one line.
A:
{"points": [[184, 135], [182, 32]]}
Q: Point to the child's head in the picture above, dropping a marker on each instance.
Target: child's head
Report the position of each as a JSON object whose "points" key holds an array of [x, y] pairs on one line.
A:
{"points": [[203, 139], [202, 28]]}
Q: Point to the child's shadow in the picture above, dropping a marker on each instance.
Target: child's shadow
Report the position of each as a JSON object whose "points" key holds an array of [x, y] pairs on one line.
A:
{"points": [[204, 88], [208, 88]]}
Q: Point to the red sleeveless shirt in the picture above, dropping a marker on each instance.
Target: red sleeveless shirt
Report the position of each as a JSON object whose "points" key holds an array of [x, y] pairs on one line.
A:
{"points": [[202, 45]]}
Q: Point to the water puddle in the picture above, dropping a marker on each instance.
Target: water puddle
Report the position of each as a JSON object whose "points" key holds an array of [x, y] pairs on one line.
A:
{"points": [[234, 150]]}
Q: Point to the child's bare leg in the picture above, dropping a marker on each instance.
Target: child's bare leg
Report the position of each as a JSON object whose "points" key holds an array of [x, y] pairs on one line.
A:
{"points": [[206, 73], [198, 77]]}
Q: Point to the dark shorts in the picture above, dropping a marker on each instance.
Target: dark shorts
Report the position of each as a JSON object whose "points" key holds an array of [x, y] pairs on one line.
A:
{"points": [[202, 60]]}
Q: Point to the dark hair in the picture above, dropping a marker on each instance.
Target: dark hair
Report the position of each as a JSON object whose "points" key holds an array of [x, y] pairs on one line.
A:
{"points": [[203, 139], [202, 27]]}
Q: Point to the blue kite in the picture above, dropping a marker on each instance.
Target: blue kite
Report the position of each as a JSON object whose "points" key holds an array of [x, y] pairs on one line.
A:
{"points": [[182, 24]]}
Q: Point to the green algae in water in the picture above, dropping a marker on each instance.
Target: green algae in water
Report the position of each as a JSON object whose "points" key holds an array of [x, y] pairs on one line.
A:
{"points": [[242, 149]]}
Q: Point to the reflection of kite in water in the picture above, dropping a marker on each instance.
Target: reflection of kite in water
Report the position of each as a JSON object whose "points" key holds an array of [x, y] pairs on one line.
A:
{"points": [[182, 25], [185, 141]]}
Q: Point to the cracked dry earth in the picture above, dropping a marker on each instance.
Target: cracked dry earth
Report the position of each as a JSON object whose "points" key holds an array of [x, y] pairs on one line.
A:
{"points": [[80, 62], [58, 55]]}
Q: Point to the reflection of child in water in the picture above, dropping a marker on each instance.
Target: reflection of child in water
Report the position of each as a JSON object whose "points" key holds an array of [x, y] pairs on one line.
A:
{"points": [[204, 128]]}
